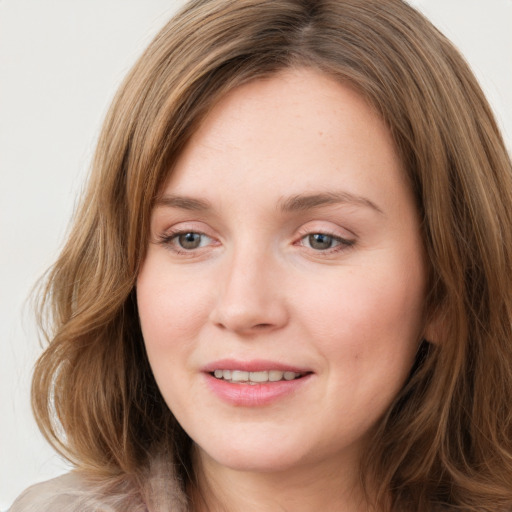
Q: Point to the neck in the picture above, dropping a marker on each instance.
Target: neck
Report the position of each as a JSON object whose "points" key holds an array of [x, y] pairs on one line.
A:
{"points": [[299, 489]]}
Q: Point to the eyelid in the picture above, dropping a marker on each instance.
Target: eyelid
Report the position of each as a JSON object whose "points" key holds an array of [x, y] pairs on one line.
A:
{"points": [[314, 228], [176, 234], [167, 237], [189, 226], [327, 228], [342, 242]]}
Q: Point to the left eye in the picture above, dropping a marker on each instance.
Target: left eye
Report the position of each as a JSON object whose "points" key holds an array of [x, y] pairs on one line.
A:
{"points": [[323, 242]]}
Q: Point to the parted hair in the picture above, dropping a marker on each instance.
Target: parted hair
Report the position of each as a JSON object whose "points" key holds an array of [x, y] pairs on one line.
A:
{"points": [[446, 441]]}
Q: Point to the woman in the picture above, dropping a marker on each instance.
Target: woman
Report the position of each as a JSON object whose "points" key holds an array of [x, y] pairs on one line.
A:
{"points": [[288, 285]]}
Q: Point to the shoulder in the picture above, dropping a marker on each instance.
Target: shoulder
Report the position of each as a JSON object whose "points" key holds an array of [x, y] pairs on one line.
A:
{"points": [[155, 488], [69, 493], [61, 493]]}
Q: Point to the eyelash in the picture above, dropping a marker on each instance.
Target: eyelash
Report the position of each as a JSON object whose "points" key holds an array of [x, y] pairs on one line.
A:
{"points": [[342, 244], [167, 240]]}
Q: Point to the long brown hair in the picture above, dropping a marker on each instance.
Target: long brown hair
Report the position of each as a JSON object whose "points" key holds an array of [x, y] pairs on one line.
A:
{"points": [[447, 439]]}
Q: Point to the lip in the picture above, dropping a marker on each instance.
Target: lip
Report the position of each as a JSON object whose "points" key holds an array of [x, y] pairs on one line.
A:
{"points": [[255, 365], [253, 395]]}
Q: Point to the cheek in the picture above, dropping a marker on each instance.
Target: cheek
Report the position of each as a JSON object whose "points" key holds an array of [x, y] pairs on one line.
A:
{"points": [[172, 312], [367, 314], [171, 309]]}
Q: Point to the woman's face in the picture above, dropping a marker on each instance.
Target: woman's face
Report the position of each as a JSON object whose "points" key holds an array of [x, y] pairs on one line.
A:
{"points": [[281, 299]]}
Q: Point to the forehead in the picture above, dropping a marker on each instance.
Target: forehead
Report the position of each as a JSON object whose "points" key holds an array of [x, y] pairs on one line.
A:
{"points": [[296, 102], [299, 129]]}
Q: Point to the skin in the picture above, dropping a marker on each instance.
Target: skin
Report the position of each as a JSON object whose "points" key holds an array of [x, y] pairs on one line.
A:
{"points": [[348, 307]]}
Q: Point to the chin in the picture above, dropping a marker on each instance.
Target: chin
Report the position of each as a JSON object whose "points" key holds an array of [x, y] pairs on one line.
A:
{"points": [[260, 457]]}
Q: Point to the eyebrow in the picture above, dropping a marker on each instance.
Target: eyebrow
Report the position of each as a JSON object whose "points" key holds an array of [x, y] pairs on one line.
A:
{"points": [[295, 203], [183, 202], [303, 202]]}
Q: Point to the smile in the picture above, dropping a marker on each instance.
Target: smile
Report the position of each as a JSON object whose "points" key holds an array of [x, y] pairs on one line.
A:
{"points": [[250, 385], [245, 377]]}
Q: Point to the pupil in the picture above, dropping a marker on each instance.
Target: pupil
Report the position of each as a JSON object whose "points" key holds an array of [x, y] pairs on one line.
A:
{"points": [[320, 241], [189, 240]]}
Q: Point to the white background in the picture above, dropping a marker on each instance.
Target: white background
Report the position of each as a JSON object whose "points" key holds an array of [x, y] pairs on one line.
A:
{"points": [[60, 64]]}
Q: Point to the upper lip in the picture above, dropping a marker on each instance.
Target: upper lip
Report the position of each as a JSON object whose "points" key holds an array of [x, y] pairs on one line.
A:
{"points": [[255, 365]]}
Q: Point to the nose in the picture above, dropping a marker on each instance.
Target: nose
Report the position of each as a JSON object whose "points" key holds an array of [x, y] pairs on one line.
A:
{"points": [[250, 297]]}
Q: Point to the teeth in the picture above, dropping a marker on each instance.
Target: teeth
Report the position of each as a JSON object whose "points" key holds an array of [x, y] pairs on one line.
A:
{"points": [[238, 376], [275, 375], [258, 376]]}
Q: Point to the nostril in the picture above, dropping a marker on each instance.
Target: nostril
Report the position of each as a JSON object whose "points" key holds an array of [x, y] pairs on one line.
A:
{"points": [[262, 326]]}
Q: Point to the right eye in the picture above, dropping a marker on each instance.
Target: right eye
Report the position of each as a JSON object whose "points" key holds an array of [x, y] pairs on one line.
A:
{"points": [[185, 241], [189, 240]]}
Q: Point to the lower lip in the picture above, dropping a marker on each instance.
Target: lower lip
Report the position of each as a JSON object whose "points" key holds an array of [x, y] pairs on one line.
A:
{"points": [[254, 395]]}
